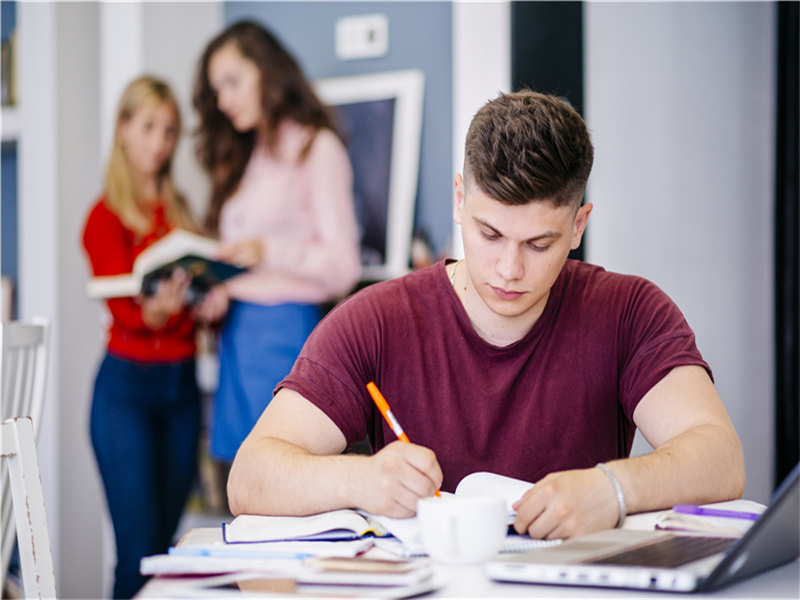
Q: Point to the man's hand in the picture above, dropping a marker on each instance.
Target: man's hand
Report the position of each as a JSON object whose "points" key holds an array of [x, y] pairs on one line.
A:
{"points": [[391, 481], [567, 504]]}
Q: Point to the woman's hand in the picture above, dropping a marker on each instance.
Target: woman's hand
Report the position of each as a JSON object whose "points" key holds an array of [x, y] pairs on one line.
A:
{"points": [[214, 305], [167, 301], [248, 253]]}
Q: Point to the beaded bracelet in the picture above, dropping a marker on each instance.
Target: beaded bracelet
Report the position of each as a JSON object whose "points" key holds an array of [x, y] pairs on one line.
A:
{"points": [[617, 490]]}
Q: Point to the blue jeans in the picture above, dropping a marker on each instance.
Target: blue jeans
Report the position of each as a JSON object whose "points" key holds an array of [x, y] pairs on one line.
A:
{"points": [[145, 425]]}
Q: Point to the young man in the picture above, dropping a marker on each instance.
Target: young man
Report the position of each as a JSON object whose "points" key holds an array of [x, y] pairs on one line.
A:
{"points": [[513, 360]]}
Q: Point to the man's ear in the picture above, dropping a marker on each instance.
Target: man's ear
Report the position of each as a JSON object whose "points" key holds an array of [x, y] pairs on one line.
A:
{"points": [[458, 198], [579, 226]]}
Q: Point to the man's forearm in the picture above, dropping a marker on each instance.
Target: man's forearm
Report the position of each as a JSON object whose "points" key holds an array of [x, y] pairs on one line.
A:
{"points": [[704, 464], [274, 477]]}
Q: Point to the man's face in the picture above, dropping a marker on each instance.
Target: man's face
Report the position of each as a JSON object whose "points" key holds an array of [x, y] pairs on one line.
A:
{"points": [[513, 254]]}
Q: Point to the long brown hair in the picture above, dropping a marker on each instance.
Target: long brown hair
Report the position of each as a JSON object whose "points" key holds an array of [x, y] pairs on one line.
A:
{"points": [[285, 92], [121, 188]]}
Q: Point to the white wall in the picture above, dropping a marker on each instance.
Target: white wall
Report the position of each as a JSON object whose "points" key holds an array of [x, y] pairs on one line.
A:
{"points": [[176, 36], [79, 176], [679, 100], [67, 93]]}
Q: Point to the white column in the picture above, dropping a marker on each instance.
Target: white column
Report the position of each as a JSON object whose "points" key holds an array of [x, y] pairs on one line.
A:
{"points": [[481, 69], [121, 58]]}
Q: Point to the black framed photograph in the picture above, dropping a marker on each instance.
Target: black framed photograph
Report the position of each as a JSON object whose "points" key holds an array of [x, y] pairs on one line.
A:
{"points": [[380, 117]]}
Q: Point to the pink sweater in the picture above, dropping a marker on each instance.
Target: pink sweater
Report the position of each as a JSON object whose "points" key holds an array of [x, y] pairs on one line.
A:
{"points": [[303, 212]]}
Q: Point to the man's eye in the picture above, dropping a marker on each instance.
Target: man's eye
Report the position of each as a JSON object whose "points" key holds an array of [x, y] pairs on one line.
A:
{"points": [[538, 248], [489, 236]]}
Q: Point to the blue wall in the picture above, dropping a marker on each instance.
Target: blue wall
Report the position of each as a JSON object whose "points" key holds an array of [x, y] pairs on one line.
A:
{"points": [[8, 175], [420, 38], [8, 17], [8, 210]]}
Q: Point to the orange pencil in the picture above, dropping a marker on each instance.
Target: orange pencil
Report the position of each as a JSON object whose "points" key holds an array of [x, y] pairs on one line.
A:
{"points": [[383, 406]]}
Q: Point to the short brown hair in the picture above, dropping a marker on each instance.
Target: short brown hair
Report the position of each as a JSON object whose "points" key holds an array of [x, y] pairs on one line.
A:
{"points": [[527, 146]]}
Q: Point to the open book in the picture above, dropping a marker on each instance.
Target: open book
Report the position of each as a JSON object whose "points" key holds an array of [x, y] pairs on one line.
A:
{"points": [[712, 525], [334, 525], [351, 524], [481, 483], [178, 249]]}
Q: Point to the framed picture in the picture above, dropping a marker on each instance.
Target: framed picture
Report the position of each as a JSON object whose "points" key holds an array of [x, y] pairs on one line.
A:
{"points": [[380, 117]]}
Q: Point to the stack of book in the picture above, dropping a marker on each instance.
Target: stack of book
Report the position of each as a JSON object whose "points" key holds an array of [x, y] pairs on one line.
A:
{"points": [[338, 552], [326, 557]]}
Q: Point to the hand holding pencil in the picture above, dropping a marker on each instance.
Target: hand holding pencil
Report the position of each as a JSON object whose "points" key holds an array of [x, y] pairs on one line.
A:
{"points": [[383, 406]]}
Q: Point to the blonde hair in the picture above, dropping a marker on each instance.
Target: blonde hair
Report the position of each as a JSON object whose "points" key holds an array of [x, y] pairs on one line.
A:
{"points": [[122, 191]]}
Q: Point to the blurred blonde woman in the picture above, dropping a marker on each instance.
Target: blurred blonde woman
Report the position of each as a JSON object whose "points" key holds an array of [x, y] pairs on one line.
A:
{"points": [[145, 416]]}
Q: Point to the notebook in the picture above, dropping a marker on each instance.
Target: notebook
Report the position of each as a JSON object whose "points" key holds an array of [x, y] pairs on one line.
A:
{"points": [[660, 560]]}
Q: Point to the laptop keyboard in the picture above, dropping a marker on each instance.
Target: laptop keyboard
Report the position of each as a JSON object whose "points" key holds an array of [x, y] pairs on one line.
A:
{"points": [[669, 552]]}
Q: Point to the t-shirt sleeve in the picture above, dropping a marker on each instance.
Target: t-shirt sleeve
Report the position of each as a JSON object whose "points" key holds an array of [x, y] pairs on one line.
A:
{"points": [[654, 339], [337, 362]]}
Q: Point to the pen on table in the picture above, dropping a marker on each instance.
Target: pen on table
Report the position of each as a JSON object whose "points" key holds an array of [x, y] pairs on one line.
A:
{"points": [[383, 406], [693, 509]]}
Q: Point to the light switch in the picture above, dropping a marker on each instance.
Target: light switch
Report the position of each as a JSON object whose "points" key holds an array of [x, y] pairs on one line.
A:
{"points": [[362, 36]]}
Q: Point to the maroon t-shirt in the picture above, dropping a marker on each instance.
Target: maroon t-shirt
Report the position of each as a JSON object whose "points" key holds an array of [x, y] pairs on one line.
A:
{"points": [[562, 397]]}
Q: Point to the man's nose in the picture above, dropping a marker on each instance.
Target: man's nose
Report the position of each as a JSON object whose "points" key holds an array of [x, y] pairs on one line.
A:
{"points": [[509, 264]]}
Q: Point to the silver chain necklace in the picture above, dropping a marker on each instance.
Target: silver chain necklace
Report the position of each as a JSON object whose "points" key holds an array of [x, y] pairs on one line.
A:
{"points": [[453, 274]]}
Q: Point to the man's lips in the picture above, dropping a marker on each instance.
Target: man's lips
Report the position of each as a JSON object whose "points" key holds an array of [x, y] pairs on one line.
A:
{"points": [[506, 294]]}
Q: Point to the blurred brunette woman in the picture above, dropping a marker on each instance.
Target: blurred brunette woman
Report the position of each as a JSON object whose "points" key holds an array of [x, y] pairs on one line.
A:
{"points": [[282, 204]]}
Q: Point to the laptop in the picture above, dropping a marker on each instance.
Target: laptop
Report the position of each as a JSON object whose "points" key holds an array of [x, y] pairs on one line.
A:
{"points": [[664, 561]]}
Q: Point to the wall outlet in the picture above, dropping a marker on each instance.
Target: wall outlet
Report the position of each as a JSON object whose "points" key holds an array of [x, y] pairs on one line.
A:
{"points": [[363, 36]]}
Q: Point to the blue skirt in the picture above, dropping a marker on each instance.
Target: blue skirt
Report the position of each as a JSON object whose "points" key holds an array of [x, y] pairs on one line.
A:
{"points": [[258, 347]]}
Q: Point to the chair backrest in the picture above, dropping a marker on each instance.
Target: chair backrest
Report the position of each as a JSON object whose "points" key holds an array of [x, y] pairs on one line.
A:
{"points": [[24, 368], [23, 372], [19, 453]]}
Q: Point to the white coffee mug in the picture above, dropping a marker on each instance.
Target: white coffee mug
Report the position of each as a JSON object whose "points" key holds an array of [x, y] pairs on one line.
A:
{"points": [[462, 530]]}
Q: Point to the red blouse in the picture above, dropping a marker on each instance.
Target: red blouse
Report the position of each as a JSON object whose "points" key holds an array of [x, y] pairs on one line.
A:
{"points": [[111, 248]]}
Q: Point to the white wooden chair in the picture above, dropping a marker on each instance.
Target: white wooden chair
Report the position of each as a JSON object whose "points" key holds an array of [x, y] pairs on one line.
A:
{"points": [[19, 452], [22, 383]]}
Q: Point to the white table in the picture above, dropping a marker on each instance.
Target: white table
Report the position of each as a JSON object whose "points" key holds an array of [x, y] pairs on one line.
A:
{"points": [[471, 582]]}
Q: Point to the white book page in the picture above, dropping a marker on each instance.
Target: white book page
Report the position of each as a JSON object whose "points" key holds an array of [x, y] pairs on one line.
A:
{"points": [[483, 483], [113, 286], [174, 245], [258, 528]]}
